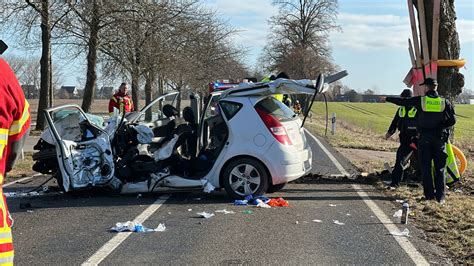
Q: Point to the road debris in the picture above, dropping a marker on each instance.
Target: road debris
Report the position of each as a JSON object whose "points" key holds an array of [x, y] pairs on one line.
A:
{"points": [[398, 214], [224, 211], [262, 204], [332, 205], [405, 232], [278, 202], [136, 227], [348, 214], [399, 201], [241, 202], [337, 222], [190, 210], [29, 211], [317, 221], [205, 215], [208, 188]]}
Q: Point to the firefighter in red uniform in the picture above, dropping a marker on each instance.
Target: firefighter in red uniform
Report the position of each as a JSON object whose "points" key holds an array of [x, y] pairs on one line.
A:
{"points": [[14, 129], [121, 100]]}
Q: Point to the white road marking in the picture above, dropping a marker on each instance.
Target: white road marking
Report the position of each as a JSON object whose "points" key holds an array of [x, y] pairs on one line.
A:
{"points": [[21, 180], [113, 243], [417, 258], [331, 157], [407, 246]]}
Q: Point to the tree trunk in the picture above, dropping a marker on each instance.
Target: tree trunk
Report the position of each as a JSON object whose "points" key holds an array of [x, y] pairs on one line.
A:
{"points": [[450, 81], [135, 80], [178, 99], [150, 77], [91, 60], [45, 62], [135, 94]]}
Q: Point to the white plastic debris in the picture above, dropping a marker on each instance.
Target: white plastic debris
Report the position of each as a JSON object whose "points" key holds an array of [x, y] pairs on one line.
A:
{"points": [[398, 214], [205, 214], [166, 150], [262, 204], [208, 188], [332, 205], [399, 201], [317, 221], [348, 214], [133, 226], [405, 232], [224, 211], [190, 210], [337, 222], [297, 222], [29, 211]]}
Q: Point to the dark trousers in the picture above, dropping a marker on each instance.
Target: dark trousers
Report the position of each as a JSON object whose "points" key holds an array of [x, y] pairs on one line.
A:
{"points": [[433, 148], [402, 152]]}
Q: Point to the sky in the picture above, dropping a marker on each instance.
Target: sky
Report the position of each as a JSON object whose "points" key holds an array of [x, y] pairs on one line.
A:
{"points": [[371, 45]]}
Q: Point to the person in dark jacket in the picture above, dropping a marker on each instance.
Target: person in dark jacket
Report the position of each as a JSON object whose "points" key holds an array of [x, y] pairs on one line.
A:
{"points": [[405, 121], [435, 116]]}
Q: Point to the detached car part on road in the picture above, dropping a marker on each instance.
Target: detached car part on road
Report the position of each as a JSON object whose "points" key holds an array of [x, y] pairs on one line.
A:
{"points": [[245, 141]]}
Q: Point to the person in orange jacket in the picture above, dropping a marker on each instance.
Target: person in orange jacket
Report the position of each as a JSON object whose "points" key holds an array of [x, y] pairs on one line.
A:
{"points": [[121, 100], [14, 129]]}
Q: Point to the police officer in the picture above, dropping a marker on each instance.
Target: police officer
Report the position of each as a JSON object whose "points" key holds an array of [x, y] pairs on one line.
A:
{"points": [[434, 117], [405, 122]]}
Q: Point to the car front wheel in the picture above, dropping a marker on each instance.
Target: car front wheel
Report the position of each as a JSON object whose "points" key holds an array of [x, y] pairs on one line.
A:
{"points": [[244, 177]]}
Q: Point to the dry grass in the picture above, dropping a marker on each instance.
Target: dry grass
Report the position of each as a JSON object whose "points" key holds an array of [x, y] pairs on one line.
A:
{"points": [[449, 226], [22, 168]]}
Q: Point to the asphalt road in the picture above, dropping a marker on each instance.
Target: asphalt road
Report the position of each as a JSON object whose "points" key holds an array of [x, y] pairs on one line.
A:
{"points": [[58, 229]]}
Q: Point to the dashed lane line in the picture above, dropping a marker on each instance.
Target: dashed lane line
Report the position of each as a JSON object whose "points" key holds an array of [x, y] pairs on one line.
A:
{"points": [[406, 245], [113, 243]]}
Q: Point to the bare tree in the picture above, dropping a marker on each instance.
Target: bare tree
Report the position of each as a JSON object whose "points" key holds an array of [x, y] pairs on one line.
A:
{"points": [[84, 27], [299, 39], [23, 17]]}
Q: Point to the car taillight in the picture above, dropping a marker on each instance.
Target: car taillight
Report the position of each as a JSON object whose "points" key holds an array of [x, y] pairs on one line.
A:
{"points": [[275, 127]]}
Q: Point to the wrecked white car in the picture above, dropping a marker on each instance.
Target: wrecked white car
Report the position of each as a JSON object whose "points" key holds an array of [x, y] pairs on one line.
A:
{"points": [[245, 141]]}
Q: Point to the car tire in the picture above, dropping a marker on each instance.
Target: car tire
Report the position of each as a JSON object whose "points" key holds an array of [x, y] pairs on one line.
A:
{"points": [[245, 176], [275, 188]]}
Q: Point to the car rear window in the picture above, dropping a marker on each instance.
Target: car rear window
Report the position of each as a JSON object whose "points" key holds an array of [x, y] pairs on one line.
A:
{"points": [[276, 108]]}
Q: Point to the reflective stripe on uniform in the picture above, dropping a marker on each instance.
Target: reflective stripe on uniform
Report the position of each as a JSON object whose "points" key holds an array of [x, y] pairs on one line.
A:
{"points": [[7, 260], [17, 125], [7, 254], [433, 105], [3, 140], [412, 112], [401, 111]]}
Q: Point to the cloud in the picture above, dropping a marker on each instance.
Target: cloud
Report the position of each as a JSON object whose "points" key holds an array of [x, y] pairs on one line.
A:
{"points": [[368, 32], [362, 32]]}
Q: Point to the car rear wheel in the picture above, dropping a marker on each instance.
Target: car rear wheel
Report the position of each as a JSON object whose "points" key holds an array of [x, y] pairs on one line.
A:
{"points": [[244, 177], [275, 188]]}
